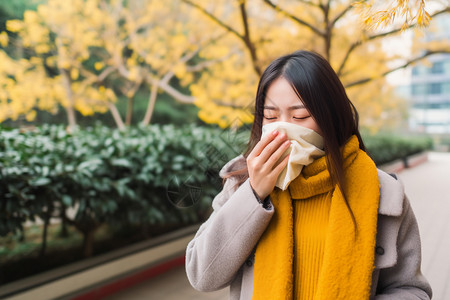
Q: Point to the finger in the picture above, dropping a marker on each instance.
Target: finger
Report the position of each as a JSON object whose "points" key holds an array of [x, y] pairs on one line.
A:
{"points": [[259, 147], [277, 170], [275, 157], [272, 147]]}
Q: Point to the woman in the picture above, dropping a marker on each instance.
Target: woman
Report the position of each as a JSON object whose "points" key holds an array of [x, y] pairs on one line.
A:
{"points": [[304, 213]]}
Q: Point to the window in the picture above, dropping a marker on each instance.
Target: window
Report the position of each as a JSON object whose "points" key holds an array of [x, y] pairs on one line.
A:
{"points": [[435, 88], [418, 89], [437, 68]]}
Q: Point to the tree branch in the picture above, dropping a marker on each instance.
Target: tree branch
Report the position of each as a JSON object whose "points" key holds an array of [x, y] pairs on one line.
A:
{"points": [[380, 35], [407, 63], [176, 94], [244, 38], [369, 38], [105, 73], [294, 18], [310, 3], [120, 67], [347, 56], [116, 116], [205, 64], [183, 60], [170, 90], [247, 40], [70, 110], [325, 8], [151, 103], [92, 78], [214, 18], [341, 14]]}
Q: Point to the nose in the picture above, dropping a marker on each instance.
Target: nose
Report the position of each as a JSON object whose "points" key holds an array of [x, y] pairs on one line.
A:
{"points": [[284, 117]]}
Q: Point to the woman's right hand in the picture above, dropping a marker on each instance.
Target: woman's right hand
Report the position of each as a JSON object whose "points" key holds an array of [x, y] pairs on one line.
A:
{"points": [[261, 162]]}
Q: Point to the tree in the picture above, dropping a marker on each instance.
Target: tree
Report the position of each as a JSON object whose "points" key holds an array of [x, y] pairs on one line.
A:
{"points": [[98, 50], [339, 30], [93, 52], [56, 50]]}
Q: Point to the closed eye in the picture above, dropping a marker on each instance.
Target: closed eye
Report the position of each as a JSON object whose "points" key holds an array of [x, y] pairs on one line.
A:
{"points": [[267, 118], [302, 118]]}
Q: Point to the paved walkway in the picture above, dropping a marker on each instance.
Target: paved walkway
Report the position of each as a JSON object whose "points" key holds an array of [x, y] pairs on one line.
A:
{"points": [[428, 188]]}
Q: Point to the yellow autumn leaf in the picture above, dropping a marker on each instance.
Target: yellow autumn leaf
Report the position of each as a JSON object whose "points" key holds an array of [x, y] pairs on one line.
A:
{"points": [[110, 95], [179, 70], [64, 63], [30, 116], [99, 65], [30, 16], [133, 74], [42, 48], [368, 21], [36, 61], [14, 25], [74, 74], [4, 39], [50, 61], [131, 62]]}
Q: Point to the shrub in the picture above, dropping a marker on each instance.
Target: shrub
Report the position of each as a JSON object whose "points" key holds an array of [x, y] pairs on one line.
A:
{"points": [[384, 148], [146, 175]]}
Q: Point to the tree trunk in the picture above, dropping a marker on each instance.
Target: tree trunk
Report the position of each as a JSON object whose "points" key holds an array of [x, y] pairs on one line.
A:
{"points": [[22, 236], [44, 235], [116, 115], [145, 230], [328, 31], [87, 226], [129, 115], [328, 46], [130, 96], [63, 232], [71, 118], [88, 243], [151, 104]]}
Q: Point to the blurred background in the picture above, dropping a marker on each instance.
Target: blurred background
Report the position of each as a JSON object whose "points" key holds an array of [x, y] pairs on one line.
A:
{"points": [[117, 115]]}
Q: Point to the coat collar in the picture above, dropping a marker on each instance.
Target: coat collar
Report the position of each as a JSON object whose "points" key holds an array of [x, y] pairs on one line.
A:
{"points": [[233, 165], [391, 195]]}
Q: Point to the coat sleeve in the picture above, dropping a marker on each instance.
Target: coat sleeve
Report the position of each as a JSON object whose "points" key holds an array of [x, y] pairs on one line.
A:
{"points": [[405, 280], [224, 242]]}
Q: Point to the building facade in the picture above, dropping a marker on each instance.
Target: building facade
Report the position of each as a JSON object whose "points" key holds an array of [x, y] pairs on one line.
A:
{"points": [[429, 88]]}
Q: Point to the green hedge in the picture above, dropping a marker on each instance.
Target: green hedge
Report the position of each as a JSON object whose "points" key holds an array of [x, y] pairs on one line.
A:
{"points": [[150, 175], [384, 148]]}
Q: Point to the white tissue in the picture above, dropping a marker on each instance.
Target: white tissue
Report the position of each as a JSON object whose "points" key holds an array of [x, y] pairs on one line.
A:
{"points": [[306, 146]]}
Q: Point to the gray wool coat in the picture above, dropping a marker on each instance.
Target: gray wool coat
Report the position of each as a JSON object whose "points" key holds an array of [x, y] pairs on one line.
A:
{"points": [[221, 253]]}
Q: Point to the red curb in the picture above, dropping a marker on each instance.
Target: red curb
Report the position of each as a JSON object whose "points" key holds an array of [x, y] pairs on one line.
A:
{"points": [[395, 166], [418, 159], [127, 282]]}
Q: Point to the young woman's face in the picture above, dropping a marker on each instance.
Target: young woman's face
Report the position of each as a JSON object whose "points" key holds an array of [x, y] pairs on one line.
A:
{"points": [[283, 104]]}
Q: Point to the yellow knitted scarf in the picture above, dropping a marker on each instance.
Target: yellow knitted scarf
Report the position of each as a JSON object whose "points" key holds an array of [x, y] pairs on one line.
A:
{"points": [[348, 259]]}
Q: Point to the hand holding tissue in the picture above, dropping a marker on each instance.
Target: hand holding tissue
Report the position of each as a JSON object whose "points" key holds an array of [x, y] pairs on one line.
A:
{"points": [[306, 146]]}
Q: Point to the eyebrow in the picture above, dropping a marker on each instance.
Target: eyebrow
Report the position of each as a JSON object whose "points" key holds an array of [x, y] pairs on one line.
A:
{"points": [[289, 108]]}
